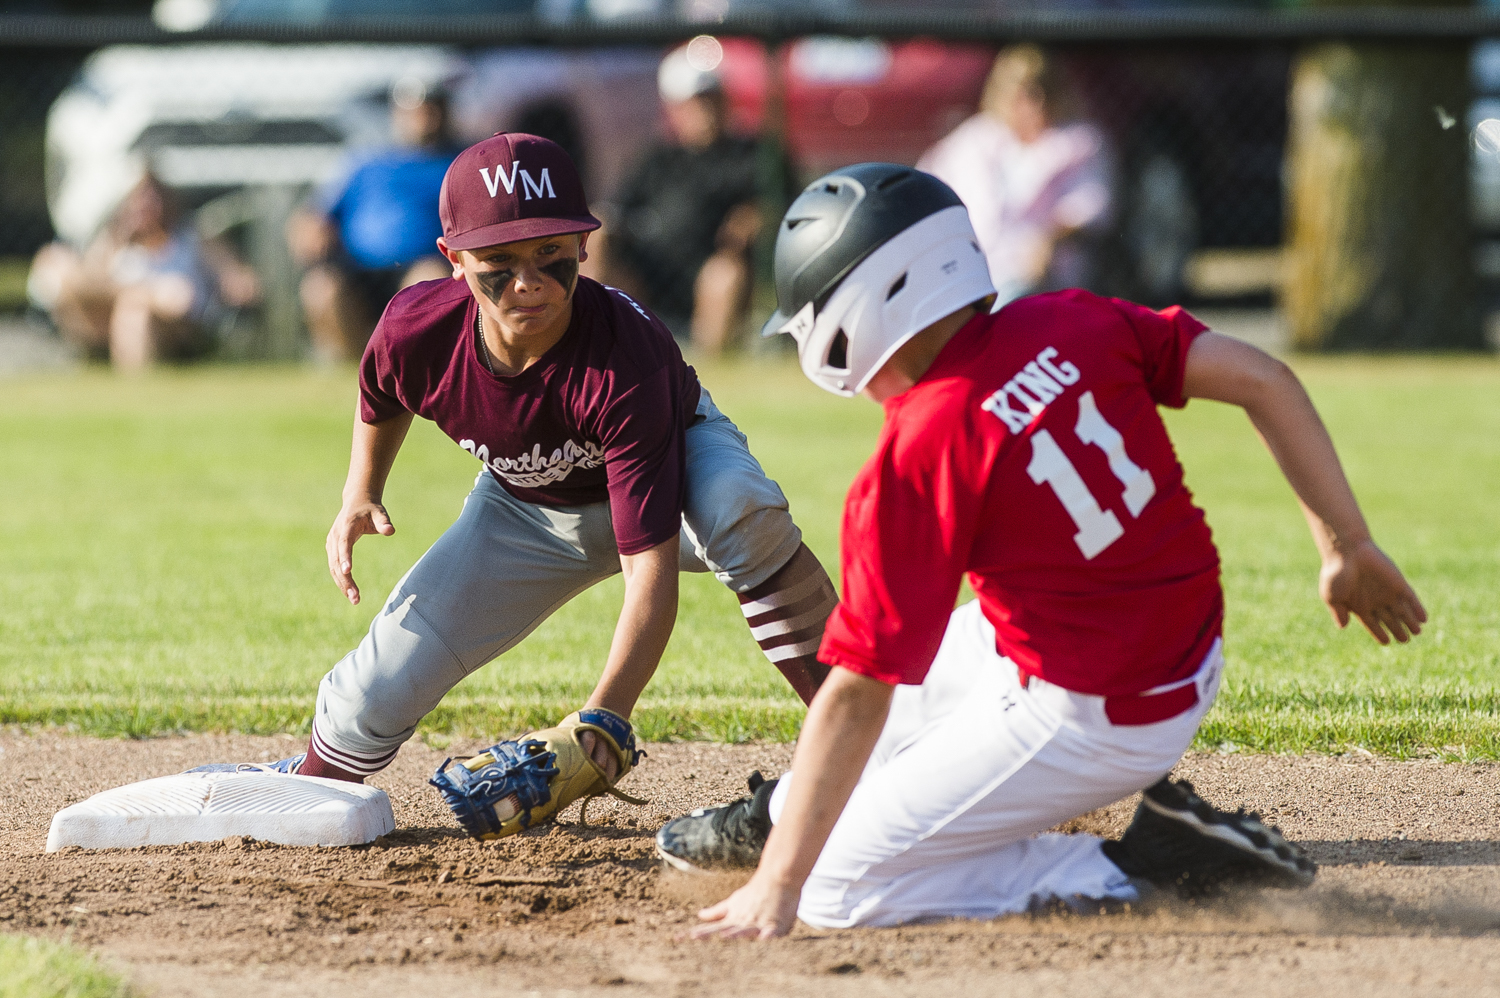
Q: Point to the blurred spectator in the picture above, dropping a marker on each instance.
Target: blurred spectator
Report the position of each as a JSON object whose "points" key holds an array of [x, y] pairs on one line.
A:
{"points": [[146, 289], [1037, 187], [374, 231], [688, 217]]}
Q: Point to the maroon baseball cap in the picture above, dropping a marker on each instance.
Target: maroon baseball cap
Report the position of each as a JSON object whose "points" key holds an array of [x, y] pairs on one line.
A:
{"points": [[511, 186]]}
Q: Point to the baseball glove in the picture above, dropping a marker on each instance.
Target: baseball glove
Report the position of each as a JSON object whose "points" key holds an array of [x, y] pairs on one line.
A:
{"points": [[513, 785]]}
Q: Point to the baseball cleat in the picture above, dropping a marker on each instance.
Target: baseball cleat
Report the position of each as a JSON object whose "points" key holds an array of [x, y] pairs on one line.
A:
{"points": [[1178, 841], [731, 835], [287, 766]]}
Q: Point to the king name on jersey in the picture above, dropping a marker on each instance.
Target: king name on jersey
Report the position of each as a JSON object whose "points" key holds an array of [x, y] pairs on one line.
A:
{"points": [[1030, 390]]}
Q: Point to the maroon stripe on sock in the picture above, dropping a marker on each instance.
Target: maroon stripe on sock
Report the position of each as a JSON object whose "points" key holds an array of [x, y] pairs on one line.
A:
{"points": [[358, 764], [793, 638], [794, 572], [350, 760], [813, 598], [813, 601], [316, 765]]}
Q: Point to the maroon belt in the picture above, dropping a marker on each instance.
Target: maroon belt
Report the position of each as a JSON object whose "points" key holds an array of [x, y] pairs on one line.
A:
{"points": [[1145, 708]]}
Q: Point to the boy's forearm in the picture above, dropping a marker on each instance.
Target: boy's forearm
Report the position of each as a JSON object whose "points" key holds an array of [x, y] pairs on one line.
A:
{"points": [[1307, 458], [372, 454], [645, 626], [842, 726], [1292, 431]]}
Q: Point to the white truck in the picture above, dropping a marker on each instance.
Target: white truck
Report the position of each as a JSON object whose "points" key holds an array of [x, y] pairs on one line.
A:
{"points": [[243, 131]]}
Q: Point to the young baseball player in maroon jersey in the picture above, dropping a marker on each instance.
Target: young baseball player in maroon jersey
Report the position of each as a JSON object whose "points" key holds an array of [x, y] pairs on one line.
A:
{"points": [[600, 453], [1022, 450]]}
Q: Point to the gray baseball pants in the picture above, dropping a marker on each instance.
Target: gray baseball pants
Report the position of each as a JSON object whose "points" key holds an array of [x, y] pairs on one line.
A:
{"points": [[505, 566]]}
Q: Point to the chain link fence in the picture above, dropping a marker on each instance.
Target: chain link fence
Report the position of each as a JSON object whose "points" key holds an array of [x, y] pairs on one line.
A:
{"points": [[1335, 164]]}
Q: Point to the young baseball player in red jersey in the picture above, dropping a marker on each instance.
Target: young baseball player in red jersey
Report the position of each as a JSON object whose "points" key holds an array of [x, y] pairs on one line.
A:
{"points": [[601, 454], [1023, 450]]}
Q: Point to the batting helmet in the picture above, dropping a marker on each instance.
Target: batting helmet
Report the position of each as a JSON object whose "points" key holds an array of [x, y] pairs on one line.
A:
{"points": [[866, 258]]}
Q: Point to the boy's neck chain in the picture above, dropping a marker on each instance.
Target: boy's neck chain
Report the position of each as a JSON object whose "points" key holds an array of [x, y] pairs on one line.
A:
{"points": [[484, 348]]}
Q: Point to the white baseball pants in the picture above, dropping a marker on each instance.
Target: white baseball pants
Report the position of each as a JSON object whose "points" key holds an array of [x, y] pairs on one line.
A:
{"points": [[969, 769]]}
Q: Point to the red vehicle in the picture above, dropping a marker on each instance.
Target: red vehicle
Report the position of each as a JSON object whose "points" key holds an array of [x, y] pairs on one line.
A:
{"points": [[847, 100]]}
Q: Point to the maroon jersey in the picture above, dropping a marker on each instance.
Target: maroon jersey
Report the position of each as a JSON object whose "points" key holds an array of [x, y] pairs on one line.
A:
{"points": [[1032, 456], [599, 416]]}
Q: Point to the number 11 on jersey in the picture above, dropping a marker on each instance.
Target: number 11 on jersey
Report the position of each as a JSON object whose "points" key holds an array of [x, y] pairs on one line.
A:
{"points": [[1098, 528]]}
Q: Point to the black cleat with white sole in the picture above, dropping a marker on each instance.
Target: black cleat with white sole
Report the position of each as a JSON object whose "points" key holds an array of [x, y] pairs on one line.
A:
{"points": [[1178, 841], [710, 837]]}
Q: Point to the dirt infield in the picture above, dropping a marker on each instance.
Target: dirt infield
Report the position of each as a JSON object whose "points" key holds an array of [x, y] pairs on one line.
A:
{"points": [[1408, 901]]}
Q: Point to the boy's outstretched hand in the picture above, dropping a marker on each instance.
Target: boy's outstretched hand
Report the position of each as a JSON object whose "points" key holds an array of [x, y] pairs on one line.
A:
{"points": [[1364, 582]]}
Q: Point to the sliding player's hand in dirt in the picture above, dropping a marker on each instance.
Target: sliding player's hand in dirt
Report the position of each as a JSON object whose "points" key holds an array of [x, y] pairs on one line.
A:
{"points": [[762, 909]]}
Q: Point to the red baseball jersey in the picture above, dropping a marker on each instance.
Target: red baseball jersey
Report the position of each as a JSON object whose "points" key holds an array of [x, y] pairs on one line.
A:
{"points": [[1031, 456]]}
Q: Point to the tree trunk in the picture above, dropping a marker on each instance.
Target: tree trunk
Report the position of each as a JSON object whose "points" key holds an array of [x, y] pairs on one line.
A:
{"points": [[1380, 247]]}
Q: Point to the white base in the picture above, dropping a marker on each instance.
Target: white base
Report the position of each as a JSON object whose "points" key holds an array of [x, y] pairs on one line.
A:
{"points": [[205, 807]]}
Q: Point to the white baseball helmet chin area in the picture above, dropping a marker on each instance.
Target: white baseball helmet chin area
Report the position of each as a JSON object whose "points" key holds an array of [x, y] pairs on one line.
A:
{"points": [[927, 271]]}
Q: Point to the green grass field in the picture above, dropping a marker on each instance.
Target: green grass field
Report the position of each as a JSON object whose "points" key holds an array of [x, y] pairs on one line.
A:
{"points": [[162, 567], [36, 968]]}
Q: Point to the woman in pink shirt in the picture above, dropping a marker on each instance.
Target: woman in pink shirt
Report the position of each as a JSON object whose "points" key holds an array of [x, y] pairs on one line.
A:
{"points": [[1037, 189]]}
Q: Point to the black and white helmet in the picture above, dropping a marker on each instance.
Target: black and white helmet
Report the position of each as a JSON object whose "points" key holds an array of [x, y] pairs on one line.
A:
{"points": [[866, 258]]}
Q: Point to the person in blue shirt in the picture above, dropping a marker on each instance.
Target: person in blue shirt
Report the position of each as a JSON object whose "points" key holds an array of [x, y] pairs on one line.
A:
{"points": [[374, 230]]}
